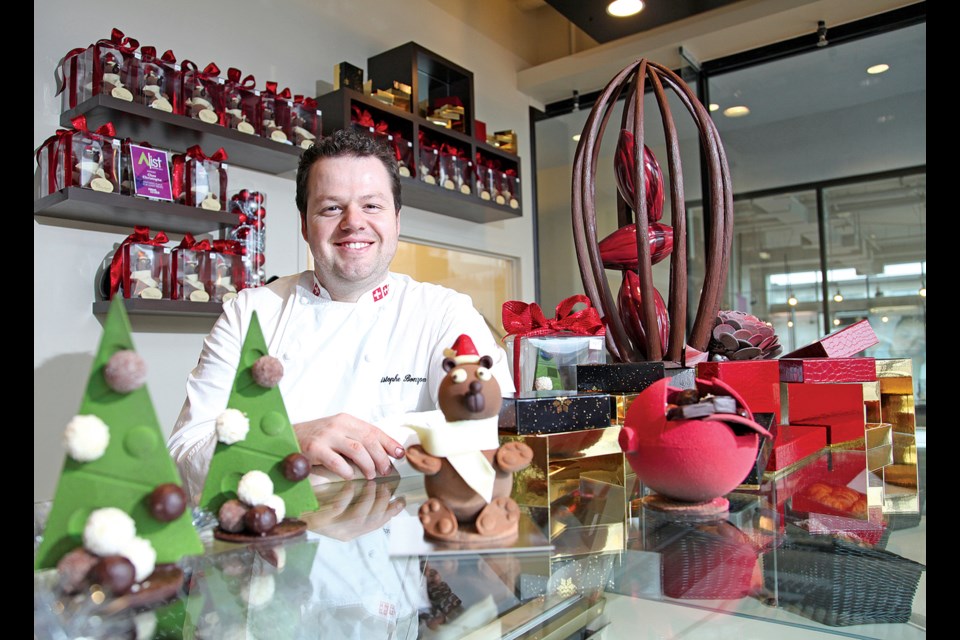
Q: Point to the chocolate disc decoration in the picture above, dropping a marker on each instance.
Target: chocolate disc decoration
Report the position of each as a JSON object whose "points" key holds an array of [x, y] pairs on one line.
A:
{"points": [[633, 184]]}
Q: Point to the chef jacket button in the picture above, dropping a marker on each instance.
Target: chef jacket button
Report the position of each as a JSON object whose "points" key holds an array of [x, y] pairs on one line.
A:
{"points": [[369, 357], [288, 356], [371, 553]]}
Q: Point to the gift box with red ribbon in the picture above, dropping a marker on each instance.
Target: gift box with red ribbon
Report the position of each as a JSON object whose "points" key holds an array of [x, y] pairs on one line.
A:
{"points": [[226, 270], [429, 164], [306, 121], [190, 270], [509, 189], [202, 92], [108, 66], [79, 157], [241, 103], [200, 180], [545, 352], [139, 268], [403, 150], [276, 113], [158, 80]]}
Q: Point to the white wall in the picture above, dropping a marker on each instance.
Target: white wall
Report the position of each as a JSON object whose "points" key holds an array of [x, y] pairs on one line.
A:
{"points": [[295, 43]]}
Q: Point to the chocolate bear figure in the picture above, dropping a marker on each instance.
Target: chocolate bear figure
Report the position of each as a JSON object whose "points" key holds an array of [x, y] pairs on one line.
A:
{"points": [[468, 477]]}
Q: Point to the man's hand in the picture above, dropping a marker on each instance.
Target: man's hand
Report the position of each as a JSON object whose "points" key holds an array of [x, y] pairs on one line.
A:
{"points": [[333, 440], [351, 509]]}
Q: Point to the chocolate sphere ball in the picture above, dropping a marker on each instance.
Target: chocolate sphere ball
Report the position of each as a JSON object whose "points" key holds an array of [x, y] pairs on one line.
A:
{"points": [[267, 371], [295, 467], [231, 516], [167, 502], [114, 573], [260, 519], [125, 371]]}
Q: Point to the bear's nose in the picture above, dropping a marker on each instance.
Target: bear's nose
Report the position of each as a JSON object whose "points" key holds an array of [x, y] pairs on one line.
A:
{"points": [[476, 386]]}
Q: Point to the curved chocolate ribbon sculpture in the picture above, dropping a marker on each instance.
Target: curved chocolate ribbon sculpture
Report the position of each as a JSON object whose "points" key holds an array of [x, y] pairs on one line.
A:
{"points": [[632, 80]]}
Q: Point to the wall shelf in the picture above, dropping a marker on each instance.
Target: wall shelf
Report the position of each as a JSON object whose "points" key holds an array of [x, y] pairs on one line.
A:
{"points": [[177, 133], [337, 107], [125, 212], [138, 306]]}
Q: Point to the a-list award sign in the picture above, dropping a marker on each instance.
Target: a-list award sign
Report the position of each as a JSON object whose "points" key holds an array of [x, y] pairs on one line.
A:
{"points": [[151, 173]]}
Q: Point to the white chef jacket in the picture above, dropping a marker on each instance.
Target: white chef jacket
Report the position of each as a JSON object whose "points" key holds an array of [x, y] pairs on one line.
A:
{"points": [[376, 358]]}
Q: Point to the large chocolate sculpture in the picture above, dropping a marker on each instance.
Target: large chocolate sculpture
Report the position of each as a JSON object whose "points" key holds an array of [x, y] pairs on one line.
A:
{"points": [[638, 322], [468, 476]]}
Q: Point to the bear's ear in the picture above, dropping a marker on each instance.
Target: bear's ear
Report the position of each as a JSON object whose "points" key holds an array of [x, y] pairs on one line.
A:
{"points": [[486, 361], [448, 364]]}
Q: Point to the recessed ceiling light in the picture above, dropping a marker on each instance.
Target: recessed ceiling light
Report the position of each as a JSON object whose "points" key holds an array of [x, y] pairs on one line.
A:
{"points": [[624, 8], [884, 319], [878, 68], [763, 255], [836, 322], [736, 112], [714, 106], [576, 137]]}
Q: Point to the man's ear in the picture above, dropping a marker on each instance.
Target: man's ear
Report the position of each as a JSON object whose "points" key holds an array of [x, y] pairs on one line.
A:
{"points": [[303, 227]]}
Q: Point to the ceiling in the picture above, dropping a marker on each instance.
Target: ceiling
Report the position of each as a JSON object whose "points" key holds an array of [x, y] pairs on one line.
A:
{"points": [[594, 20]]}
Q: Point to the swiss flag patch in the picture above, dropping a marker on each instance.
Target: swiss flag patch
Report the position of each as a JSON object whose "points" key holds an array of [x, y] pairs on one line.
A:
{"points": [[381, 292]]}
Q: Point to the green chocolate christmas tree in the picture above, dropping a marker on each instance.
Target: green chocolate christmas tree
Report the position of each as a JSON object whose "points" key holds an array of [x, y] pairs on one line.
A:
{"points": [[269, 441], [131, 471]]}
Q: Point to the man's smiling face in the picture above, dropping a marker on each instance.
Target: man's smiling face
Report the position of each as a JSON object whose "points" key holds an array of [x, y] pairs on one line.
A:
{"points": [[351, 224]]}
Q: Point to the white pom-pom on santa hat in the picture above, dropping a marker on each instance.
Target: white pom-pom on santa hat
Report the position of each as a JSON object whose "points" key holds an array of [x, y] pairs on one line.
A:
{"points": [[463, 351]]}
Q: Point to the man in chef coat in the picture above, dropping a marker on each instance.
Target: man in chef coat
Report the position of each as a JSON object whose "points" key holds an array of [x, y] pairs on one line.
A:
{"points": [[360, 345]]}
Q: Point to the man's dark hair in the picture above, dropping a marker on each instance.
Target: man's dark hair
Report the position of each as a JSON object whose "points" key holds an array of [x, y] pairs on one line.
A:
{"points": [[341, 143]]}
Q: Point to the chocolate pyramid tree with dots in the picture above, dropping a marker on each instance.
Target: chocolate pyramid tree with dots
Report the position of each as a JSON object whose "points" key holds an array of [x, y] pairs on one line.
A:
{"points": [[268, 443], [117, 457]]}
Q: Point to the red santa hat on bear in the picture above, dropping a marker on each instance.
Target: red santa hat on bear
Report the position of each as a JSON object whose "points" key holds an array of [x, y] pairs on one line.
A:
{"points": [[463, 351]]}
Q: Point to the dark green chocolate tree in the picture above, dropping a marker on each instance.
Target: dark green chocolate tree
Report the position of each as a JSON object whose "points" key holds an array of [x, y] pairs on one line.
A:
{"points": [[134, 463]]}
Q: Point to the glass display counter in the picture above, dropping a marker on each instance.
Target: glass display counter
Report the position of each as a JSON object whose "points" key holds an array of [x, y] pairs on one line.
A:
{"points": [[773, 565]]}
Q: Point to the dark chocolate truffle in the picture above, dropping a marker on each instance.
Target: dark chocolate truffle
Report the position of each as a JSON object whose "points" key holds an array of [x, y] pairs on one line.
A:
{"points": [[114, 573], [295, 467], [267, 371], [167, 502], [125, 371], [260, 519]]}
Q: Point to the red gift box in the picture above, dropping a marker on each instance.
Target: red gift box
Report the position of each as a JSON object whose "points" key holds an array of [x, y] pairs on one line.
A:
{"points": [[794, 443], [828, 370], [845, 343], [80, 158], [839, 407], [480, 130], [274, 120], [757, 382]]}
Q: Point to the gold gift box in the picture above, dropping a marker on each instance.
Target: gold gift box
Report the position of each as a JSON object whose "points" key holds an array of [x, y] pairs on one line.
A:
{"points": [[900, 477], [578, 488]]}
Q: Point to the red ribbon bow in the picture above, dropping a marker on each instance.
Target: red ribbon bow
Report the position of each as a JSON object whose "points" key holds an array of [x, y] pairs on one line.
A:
{"points": [[210, 70], [306, 102], [121, 42], [150, 53], [79, 123], [140, 235], [197, 153], [364, 119], [189, 242], [272, 90], [527, 320], [229, 247], [233, 75]]}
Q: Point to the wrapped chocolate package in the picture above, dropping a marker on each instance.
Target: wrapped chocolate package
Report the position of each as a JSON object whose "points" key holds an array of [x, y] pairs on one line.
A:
{"points": [[202, 92], [276, 113], [539, 412], [105, 67], [241, 103], [145, 271], [190, 273], [226, 270], [80, 158], [158, 80], [249, 232], [204, 178], [306, 121]]}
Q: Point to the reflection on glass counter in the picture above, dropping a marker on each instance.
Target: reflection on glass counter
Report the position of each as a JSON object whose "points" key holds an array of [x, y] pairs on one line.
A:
{"points": [[782, 555]]}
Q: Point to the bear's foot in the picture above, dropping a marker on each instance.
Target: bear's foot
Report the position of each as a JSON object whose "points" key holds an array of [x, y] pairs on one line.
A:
{"points": [[438, 520], [498, 517]]}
